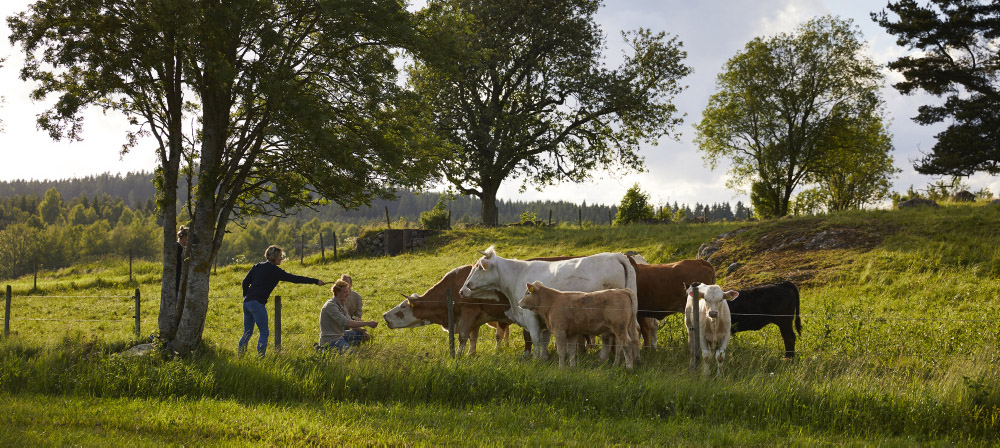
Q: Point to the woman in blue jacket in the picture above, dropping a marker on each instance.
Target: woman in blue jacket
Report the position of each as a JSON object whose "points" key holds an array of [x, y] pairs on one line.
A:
{"points": [[257, 286]]}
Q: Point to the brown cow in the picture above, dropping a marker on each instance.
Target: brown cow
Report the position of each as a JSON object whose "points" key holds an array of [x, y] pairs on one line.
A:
{"points": [[661, 291], [570, 314], [470, 313]]}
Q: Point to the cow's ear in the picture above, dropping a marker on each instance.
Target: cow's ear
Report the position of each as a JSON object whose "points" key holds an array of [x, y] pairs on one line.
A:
{"points": [[531, 288], [730, 295], [484, 264]]}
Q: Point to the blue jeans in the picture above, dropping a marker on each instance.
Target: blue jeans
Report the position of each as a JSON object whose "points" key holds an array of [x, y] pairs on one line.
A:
{"points": [[254, 312], [351, 338]]}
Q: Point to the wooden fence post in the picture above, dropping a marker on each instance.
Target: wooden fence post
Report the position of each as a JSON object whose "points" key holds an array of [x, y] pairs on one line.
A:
{"points": [[388, 226], [6, 315], [277, 323], [451, 323], [302, 249], [35, 287], [130, 265], [550, 217], [694, 340], [138, 331], [579, 213], [334, 246], [322, 249], [609, 217]]}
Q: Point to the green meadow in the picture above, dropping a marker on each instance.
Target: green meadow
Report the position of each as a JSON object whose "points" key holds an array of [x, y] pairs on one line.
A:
{"points": [[899, 347]]}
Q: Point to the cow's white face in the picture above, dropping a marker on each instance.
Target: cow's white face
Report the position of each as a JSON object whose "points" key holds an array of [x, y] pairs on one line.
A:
{"points": [[483, 277], [402, 315], [714, 297]]}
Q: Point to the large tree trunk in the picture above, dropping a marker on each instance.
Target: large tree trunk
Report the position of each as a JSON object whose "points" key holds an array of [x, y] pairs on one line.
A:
{"points": [[170, 160], [216, 102], [490, 213]]}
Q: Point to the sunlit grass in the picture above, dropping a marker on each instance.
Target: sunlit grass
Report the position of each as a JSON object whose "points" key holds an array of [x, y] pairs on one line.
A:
{"points": [[899, 346]]}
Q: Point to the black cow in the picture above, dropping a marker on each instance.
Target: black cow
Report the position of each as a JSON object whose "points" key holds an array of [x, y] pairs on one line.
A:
{"points": [[768, 304]]}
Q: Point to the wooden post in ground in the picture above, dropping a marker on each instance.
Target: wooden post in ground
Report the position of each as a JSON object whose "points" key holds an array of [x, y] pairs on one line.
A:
{"points": [[694, 338], [609, 217], [579, 214], [451, 323], [322, 249], [387, 224], [550, 217], [277, 323], [334, 246], [130, 265], [35, 287], [302, 249], [6, 315], [138, 313]]}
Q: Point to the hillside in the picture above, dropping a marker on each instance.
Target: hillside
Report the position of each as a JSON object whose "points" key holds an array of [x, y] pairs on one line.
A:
{"points": [[897, 348]]}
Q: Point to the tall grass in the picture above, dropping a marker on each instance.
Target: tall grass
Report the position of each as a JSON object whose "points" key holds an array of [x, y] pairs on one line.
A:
{"points": [[898, 346]]}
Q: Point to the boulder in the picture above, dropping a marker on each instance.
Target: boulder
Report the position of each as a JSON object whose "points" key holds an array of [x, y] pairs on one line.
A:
{"points": [[916, 202], [963, 196]]}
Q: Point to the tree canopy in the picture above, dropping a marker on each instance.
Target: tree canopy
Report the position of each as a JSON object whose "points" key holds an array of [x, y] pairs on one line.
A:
{"points": [[521, 90], [293, 101], [786, 107], [957, 58]]}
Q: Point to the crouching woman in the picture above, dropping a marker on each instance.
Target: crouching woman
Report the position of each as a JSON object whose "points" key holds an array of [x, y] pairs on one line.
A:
{"points": [[336, 328]]}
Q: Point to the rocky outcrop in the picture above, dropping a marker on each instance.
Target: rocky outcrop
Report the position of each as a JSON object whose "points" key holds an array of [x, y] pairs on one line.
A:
{"points": [[392, 242]]}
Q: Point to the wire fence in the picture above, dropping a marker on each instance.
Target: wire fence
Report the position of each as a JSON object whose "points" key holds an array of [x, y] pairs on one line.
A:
{"points": [[812, 319]]}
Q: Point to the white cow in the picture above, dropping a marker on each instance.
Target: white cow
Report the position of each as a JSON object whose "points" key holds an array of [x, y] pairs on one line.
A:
{"points": [[714, 322], [585, 274]]}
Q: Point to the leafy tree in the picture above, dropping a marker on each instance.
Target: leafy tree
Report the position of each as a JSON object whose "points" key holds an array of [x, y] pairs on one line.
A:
{"points": [[856, 168], [50, 209], [19, 244], [957, 54], [779, 104], [522, 91], [436, 218], [635, 207], [293, 100]]}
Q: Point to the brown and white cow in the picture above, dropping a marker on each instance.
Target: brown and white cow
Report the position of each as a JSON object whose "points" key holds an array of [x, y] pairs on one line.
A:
{"points": [[470, 313], [661, 291], [568, 315], [714, 323]]}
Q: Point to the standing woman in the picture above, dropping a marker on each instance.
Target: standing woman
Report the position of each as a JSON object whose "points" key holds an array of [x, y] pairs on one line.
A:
{"points": [[257, 286]]}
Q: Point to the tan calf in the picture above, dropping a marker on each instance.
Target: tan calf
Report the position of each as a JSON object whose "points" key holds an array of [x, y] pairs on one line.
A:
{"points": [[570, 314]]}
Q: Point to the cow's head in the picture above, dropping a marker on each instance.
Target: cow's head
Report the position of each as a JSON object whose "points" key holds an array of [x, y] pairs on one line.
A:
{"points": [[713, 296], [531, 300], [402, 315], [483, 276]]}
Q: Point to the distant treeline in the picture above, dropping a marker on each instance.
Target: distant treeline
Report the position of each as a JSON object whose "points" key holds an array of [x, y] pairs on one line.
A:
{"points": [[137, 192]]}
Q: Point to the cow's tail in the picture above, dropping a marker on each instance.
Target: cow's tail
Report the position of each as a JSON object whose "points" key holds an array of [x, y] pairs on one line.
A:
{"points": [[798, 321]]}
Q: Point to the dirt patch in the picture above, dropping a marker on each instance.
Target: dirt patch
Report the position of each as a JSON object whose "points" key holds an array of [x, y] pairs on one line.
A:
{"points": [[798, 250]]}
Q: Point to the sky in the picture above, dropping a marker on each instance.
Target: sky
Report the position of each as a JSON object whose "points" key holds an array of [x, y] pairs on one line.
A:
{"points": [[711, 31]]}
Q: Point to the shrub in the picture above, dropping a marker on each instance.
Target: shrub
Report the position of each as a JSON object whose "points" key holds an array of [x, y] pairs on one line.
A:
{"points": [[436, 218], [635, 207]]}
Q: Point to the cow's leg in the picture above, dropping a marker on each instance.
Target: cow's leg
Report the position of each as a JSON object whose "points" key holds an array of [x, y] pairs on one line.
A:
{"points": [[561, 346], [473, 338], [503, 335], [647, 330], [706, 355], [607, 342], [788, 336], [720, 353], [571, 347], [633, 336], [527, 342], [628, 350]]}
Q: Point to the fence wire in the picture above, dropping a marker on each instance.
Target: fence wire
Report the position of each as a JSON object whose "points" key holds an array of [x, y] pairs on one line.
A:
{"points": [[397, 334]]}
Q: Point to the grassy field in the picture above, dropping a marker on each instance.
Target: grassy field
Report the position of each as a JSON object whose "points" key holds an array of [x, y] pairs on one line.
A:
{"points": [[899, 347]]}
